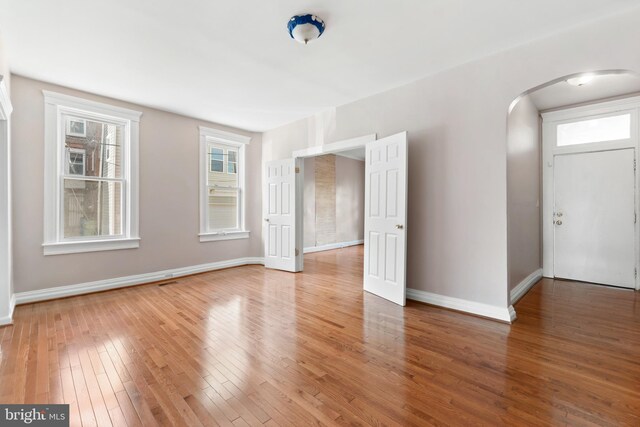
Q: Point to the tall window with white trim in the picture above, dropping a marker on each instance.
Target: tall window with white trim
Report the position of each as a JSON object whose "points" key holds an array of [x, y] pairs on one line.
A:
{"points": [[91, 176], [222, 185]]}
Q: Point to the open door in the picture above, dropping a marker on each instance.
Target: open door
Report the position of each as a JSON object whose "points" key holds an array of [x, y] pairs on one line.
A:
{"points": [[283, 237], [385, 218]]}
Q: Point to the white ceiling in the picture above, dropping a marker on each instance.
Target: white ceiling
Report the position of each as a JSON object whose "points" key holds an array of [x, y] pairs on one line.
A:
{"points": [[232, 62], [562, 94]]}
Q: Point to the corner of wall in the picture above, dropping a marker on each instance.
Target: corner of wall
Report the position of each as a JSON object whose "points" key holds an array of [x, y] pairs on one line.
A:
{"points": [[7, 297]]}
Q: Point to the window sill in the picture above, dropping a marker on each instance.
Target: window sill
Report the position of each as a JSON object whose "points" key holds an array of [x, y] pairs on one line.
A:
{"points": [[223, 235], [61, 248]]}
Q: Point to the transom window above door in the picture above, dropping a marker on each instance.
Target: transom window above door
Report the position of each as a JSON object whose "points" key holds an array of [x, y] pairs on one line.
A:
{"points": [[601, 129]]}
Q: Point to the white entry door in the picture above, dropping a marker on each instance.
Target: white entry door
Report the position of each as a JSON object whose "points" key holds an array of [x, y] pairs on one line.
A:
{"points": [[385, 218], [282, 233], [594, 217]]}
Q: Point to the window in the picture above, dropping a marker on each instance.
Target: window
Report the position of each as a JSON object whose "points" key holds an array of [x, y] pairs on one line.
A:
{"points": [[223, 188], [75, 161], [217, 159], [232, 162], [91, 200], [222, 185], [611, 128]]}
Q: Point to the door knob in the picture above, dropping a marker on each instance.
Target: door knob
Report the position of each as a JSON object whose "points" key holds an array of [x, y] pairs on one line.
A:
{"points": [[266, 219], [399, 226]]}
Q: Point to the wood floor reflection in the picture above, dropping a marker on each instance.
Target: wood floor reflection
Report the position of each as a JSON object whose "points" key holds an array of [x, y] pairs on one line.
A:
{"points": [[249, 346]]}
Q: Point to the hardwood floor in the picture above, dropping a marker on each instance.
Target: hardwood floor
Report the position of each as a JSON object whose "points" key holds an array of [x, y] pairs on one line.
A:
{"points": [[249, 346]]}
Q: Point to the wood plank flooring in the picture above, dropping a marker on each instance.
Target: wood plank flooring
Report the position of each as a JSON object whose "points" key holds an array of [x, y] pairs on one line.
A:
{"points": [[249, 346]]}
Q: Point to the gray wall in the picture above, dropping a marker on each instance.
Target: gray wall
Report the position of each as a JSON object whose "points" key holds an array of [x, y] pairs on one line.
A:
{"points": [[309, 198], [349, 199], [169, 211], [523, 191], [457, 125], [347, 209]]}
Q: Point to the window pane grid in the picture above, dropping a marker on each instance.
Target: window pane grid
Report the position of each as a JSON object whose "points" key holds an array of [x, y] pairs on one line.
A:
{"points": [[223, 192], [93, 185]]}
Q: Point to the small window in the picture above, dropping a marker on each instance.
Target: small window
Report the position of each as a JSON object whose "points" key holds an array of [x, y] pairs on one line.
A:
{"points": [[217, 159], [76, 127], [221, 207], [612, 128], [224, 188], [75, 161]]}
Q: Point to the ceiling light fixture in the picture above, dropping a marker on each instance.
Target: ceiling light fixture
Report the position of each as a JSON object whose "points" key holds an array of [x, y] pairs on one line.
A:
{"points": [[581, 80], [305, 28]]}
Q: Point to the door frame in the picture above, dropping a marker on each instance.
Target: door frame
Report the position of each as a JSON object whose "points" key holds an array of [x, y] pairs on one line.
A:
{"points": [[320, 150], [550, 121], [7, 298], [335, 147]]}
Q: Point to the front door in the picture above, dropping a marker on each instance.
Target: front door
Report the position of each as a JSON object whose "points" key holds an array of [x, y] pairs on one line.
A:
{"points": [[594, 217]]}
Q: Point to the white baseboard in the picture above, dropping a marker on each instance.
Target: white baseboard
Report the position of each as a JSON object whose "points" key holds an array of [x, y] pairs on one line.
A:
{"points": [[121, 282], [524, 286], [8, 320], [331, 246], [504, 314]]}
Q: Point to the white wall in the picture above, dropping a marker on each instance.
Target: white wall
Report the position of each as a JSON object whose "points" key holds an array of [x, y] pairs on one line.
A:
{"points": [[169, 222], [523, 191], [457, 124], [6, 262]]}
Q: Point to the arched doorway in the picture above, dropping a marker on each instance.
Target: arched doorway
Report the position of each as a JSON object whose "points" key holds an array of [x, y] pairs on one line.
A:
{"points": [[530, 195]]}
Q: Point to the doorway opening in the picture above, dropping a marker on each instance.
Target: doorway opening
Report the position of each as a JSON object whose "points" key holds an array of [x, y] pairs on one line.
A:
{"points": [[382, 228], [333, 210], [572, 185]]}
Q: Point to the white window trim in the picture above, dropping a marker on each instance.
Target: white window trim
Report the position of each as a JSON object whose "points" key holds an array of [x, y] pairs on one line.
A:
{"points": [[239, 142], [57, 104]]}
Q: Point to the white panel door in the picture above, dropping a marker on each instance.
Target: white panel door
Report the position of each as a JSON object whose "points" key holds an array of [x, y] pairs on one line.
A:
{"points": [[281, 231], [594, 217], [385, 218]]}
